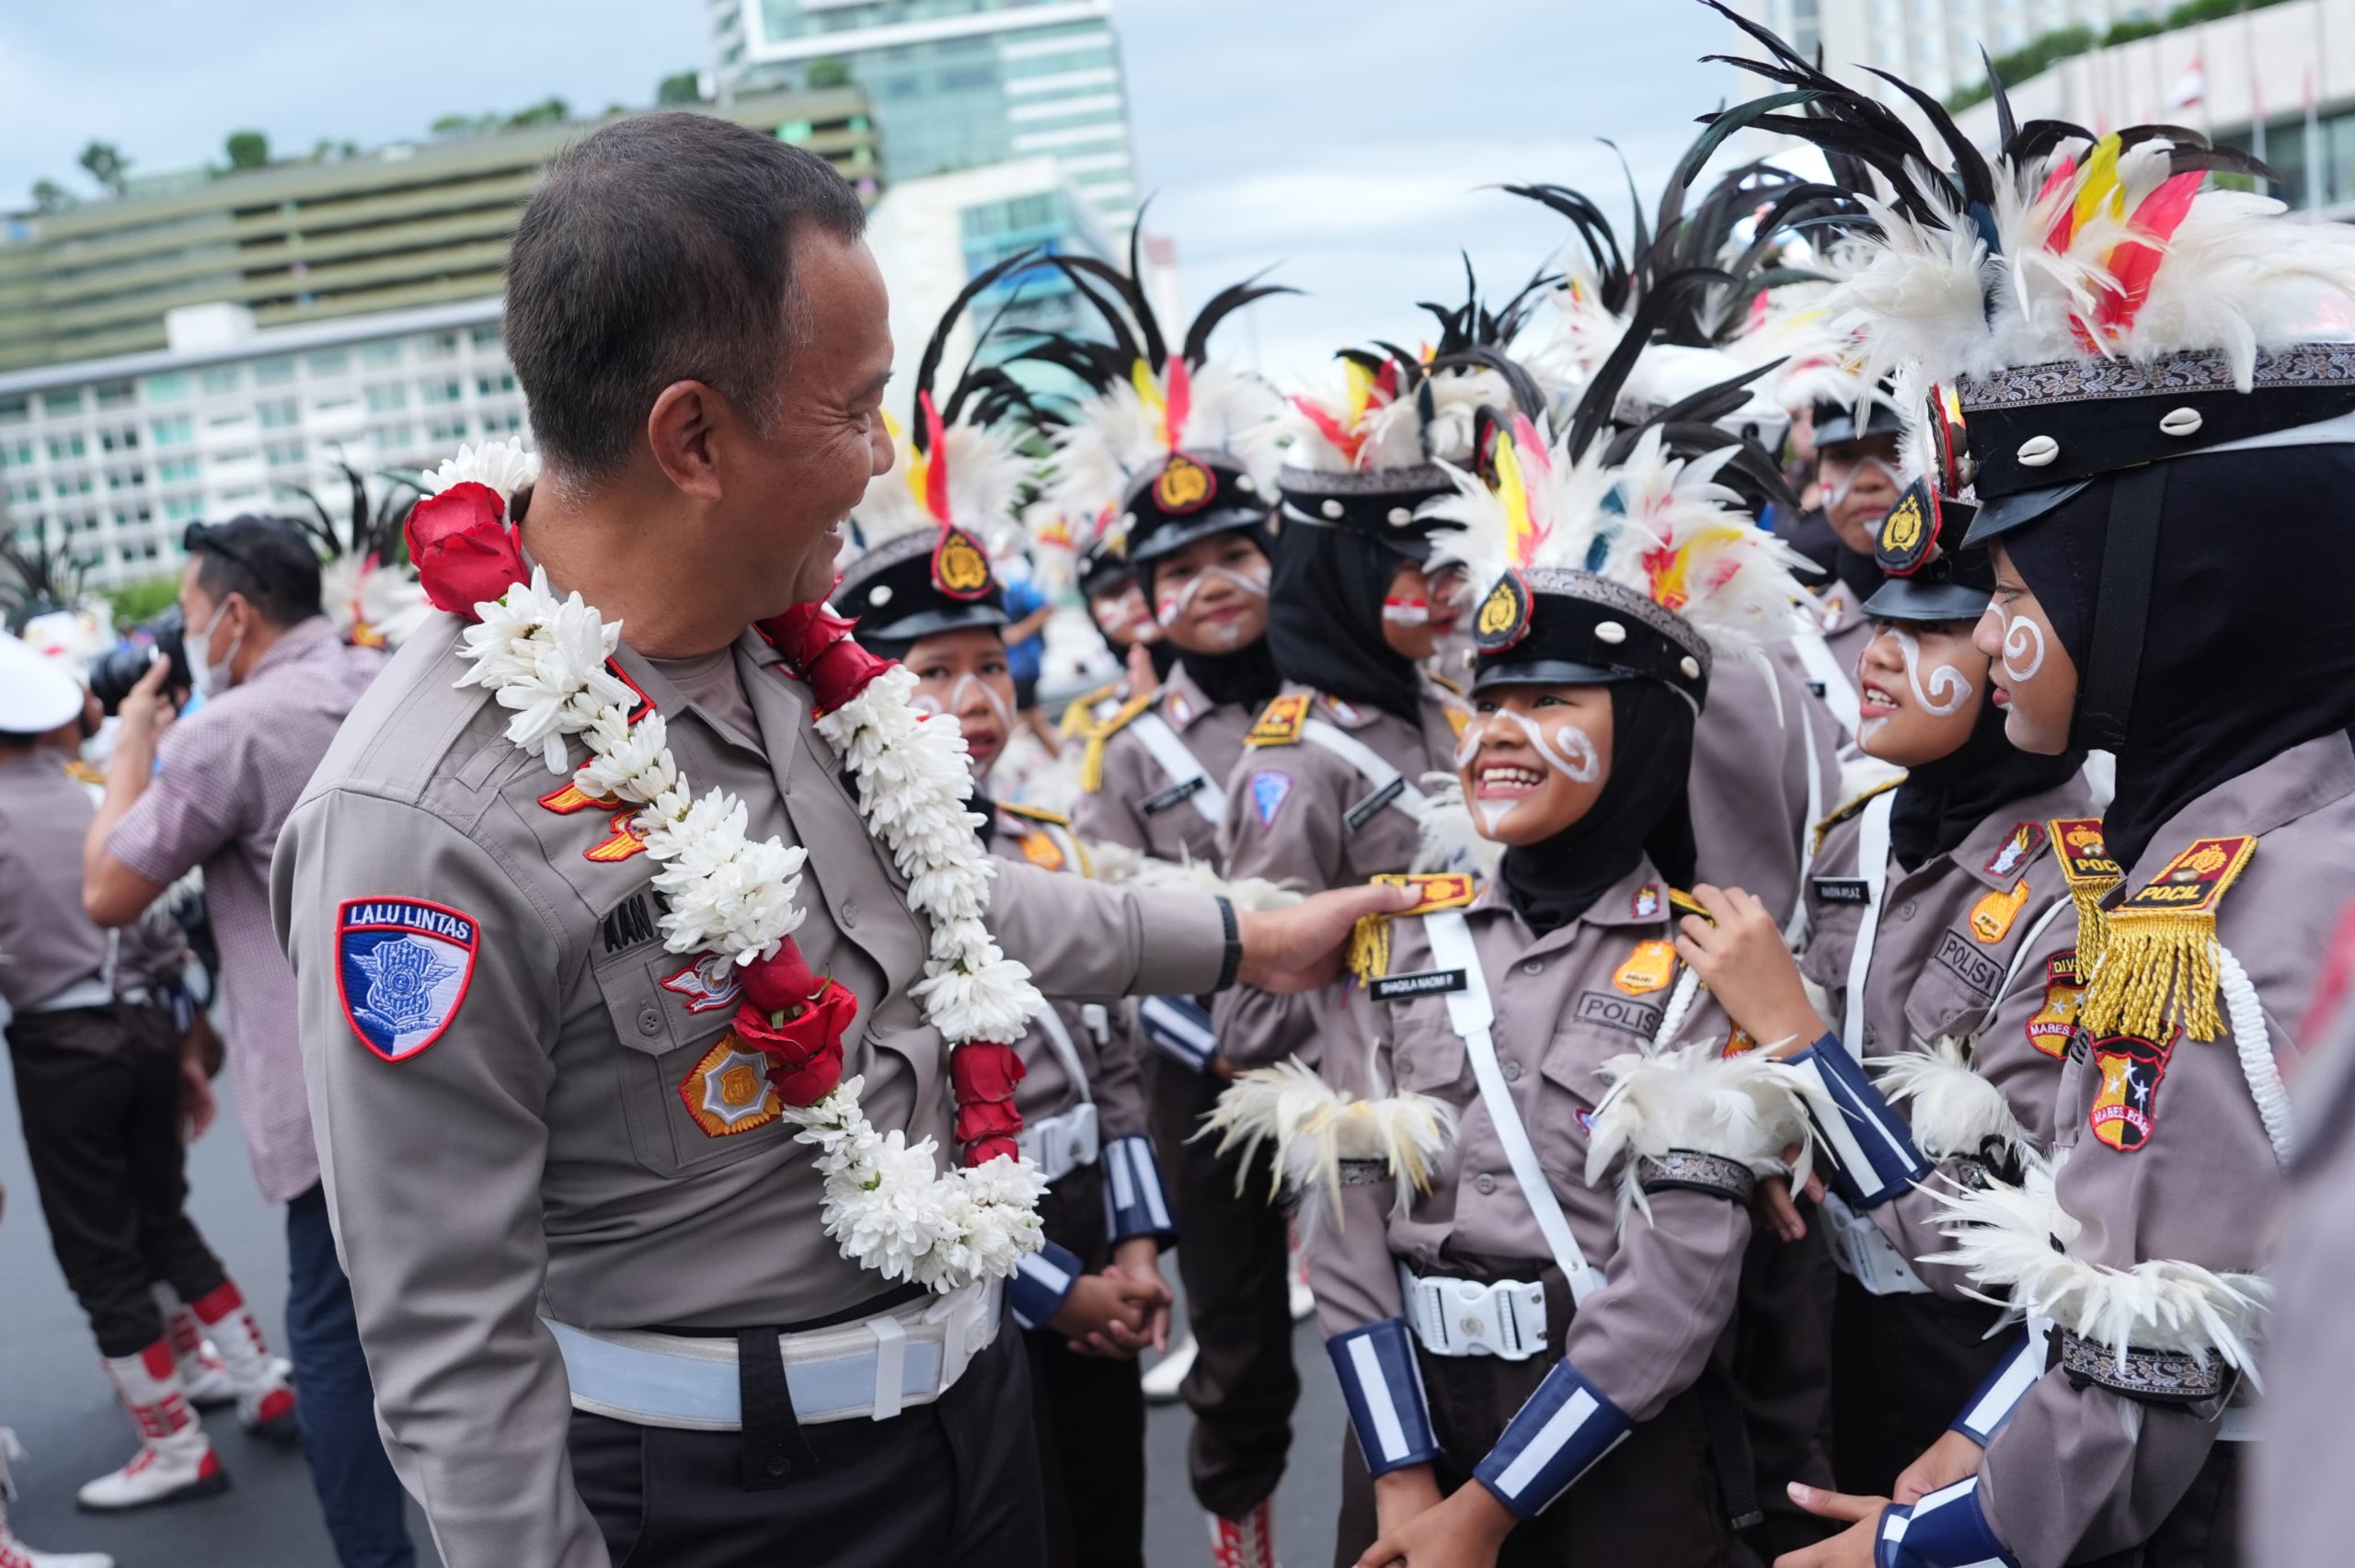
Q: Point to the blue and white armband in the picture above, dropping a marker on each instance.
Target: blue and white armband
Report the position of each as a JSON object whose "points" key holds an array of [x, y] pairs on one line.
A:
{"points": [[1567, 1425], [1384, 1389], [2001, 1392], [1179, 1026], [1135, 1202], [1869, 1146], [1945, 1529], [1041, 1284]]}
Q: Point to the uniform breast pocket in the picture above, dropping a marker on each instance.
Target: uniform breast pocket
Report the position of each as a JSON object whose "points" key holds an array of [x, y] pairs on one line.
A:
{"points": [[693, 1096], [1569, 1086], [1426, 1055]]}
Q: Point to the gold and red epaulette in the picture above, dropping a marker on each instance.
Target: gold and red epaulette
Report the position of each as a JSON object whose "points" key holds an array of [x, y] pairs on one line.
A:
{"points": [[2086, 867], [1079, 713], [1369, 950], [1852, 808], [1280, 722], [2159, 958], [1091, 762]]}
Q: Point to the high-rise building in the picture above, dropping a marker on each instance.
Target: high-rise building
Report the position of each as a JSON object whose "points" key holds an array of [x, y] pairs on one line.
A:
{"points": [[1932, 43], [402, 226], [953, 84]]}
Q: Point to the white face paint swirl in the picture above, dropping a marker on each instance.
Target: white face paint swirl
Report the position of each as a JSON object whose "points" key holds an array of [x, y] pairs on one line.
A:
{"points": [[1175, 605], [1944, 678], [1571, 752], [967, 684], [1836, 495], [2023, 649]]}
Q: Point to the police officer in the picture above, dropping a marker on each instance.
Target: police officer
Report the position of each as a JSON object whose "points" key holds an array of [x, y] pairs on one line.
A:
{"points": [[608, 1294], [111, 1082], [2147, 563]]}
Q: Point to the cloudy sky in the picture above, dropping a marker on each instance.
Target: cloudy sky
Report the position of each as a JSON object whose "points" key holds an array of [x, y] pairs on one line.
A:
{"points": [[1346, 140]]}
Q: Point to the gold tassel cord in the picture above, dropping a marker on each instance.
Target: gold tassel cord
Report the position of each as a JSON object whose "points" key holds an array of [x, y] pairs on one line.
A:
{"points": [[2093, 924], [2158, 969], [1369, 950]]}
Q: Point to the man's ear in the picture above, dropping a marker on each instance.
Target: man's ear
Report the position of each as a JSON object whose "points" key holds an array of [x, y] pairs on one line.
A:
{"points": [[681, 429]]}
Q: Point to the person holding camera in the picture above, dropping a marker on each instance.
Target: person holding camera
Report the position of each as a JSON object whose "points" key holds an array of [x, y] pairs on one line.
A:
{"points": [[212, 791]]}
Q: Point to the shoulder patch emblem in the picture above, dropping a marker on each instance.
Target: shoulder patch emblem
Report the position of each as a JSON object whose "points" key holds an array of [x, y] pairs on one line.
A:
{"points": [[2056, 1021], [1433, 890], [620, 842], [1648, 968], [1646, 903], [708, 984], [727, 1092], [1041, 851], [2125, 1112], [1991, 916], [402, 967], [1279, 721], [1268, 789], [2016, 850]]}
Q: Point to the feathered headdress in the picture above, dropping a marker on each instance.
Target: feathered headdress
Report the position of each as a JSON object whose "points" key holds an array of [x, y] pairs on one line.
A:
{"points": [[46, 608], [367, 585]]}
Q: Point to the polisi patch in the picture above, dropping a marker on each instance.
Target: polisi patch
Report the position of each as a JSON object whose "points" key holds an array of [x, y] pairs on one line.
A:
{"points": [[402, 967], [1648, 968], [1503, 617], [1991, 916], [728, 1091], [1629, 1016], [2125, 1112], [1184, 486], [1910, 532], [961, 567]]}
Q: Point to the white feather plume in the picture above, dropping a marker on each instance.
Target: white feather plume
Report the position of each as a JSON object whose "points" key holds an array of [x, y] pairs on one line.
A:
{"points": [[1317, 1127], [1118, 863], [1388, 432], [1116, 437], [1955, 1111], [986, 474], [1745, 1108]]}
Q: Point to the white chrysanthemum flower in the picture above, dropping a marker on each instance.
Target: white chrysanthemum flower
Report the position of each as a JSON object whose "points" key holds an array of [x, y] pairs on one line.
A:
{"points": [[505, 468]]}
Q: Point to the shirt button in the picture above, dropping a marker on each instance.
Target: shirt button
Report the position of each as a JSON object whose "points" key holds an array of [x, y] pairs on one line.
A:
{"points": [[1486, 1184], [1513, 1072], [1905, 910], [1534, 966], [850, 913], [649, 1021]]}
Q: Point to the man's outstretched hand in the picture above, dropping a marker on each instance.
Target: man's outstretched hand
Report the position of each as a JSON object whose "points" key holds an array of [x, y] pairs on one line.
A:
{"points": [[1299, 948]]}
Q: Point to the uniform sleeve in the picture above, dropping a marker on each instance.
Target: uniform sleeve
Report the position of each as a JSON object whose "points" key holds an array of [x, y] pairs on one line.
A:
{"points": [[1644, 1337], [1108, 814], [1136, 1200], [200, 799], [432, 1166], [1296, 844], [1085, 940]]}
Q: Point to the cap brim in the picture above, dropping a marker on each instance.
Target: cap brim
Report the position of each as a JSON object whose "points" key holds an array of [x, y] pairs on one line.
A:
{"points": [[1546, 672], [1900, 599], [2005, 513], [929, 622], [1173, 537]]}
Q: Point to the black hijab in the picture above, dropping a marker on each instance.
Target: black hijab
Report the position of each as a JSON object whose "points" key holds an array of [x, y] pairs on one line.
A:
{"points": [[2250, 648], [1861, 575], [1642, 809], [1248, 677], [1324, 618], [1941, 802]]}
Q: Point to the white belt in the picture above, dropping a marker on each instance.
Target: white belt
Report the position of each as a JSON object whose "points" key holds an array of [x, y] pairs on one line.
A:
{"points": [[1459, 1317], [866, 1370], [1865, 1254], [1060, 1144], [94, 992]]}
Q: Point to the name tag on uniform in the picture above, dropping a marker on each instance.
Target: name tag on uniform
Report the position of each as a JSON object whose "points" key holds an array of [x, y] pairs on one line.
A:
{"points": [[1430, 982], [1365, 810], [1176, 795], [1844, 890], [1816, 688]]}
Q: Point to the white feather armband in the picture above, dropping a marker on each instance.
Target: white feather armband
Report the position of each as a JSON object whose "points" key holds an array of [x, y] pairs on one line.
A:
{"points": [[1744, 1110], [2011, 1240], [1955, 1111], [1317, 1129]]}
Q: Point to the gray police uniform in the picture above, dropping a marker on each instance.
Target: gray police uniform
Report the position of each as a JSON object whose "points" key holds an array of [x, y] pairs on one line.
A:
{"points": [[567, 1149]]}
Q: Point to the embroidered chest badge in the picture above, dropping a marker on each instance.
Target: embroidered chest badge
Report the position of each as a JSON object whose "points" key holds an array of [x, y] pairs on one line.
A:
{"points": [[727, 1092], [2056, 1021], [1041, 851], [620, 842], [2017, 850], [2126, 1109], [569, 797], [1648, 968], [708, 984], [1646, 903], [1991, 916], [402, 967], [1268, 789]]}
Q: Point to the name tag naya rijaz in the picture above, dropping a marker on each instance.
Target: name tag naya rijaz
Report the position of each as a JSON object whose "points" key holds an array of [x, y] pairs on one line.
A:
{"points": [[1430, 982], [1844, 890]]}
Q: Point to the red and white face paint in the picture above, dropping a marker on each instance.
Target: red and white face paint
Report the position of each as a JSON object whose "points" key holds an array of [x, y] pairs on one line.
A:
{"points": [[1414, 611], [1174, 604]]}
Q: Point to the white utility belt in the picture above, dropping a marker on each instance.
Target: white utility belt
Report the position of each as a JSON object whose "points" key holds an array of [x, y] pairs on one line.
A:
{"points": [[1459, 1317], [1061, 1144], [1865, 1254], [94, 992], [866, 1370]]}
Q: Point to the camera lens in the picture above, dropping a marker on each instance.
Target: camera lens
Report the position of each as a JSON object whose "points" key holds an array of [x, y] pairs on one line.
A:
{"points": [[119, 668]]}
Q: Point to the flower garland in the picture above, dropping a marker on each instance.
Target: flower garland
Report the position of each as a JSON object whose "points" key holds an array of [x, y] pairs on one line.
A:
{"points": [[886, 1206]]}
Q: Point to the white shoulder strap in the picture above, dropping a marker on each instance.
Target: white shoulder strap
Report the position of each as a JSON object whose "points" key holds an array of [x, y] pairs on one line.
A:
{"points": [[1839, 689], [1179, 762], [1051, 1023], [1385, 779], [1471, 1012], [1795, 928], [1872, 863]]}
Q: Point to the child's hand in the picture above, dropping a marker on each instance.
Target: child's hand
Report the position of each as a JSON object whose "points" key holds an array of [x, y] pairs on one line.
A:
{"points": [[1747, 966]]}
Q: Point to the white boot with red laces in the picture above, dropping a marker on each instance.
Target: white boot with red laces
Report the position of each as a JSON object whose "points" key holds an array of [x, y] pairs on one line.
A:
{"points": [[176, 1461], [204, 1376], [14, 1554], [265, 1402], [1246, 1542]]}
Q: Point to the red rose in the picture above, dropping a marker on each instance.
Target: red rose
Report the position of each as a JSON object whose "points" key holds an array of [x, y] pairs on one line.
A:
{"points": [[802, 1086], [987, 1118], [984, 1070], [779, 983], [818, 648], [464, 550], [803, 1042], [990, 1149]]}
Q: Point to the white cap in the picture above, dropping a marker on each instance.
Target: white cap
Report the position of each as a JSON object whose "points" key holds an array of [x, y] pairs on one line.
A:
{"points": [[36, 696]]}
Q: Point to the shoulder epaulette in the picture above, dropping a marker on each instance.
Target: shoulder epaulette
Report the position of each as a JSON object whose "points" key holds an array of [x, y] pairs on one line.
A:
{"points": [[1680, 903], [81, 772], [1368, 952], [1080, 711], [2086, 866], [2158, 949], [1281, 721], [1091, 762], [1450, 687], [1035, 814], [1852, 808]]}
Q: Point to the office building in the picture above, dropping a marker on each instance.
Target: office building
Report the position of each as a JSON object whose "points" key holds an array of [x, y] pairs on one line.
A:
{"points": [[953, 89], [1931, 43], [305, 242]]}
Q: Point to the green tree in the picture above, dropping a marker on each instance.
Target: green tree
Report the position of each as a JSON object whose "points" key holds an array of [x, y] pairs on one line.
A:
{"points": [[451, 126], [51, 196], [247, 150], [136, 602], [679, 87], [829, 73], [104, 162], [551, 110]]}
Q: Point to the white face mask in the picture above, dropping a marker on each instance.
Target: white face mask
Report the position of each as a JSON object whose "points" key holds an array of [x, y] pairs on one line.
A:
{"points": [[210, 679]]}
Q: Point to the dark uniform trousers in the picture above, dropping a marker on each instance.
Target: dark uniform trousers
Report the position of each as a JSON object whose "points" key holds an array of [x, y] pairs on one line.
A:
{"points": [[1090, 1410], [2203, 1530], [1780, 1372], [1903, 1369], [1235, 1259], [950, 1484], [98, 1091], [1654, 1500]]}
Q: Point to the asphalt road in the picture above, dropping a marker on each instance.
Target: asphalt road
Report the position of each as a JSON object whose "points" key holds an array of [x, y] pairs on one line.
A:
{"points": [[54, 1394]]}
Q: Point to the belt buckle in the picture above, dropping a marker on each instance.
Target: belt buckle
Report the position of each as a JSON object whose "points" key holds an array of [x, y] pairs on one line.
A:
{"points": [[1473, 1314], [1088, 1139]]}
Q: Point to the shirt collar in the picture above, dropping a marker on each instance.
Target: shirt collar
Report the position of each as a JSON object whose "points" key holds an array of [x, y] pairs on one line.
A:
{"points": [[299, 641]]}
